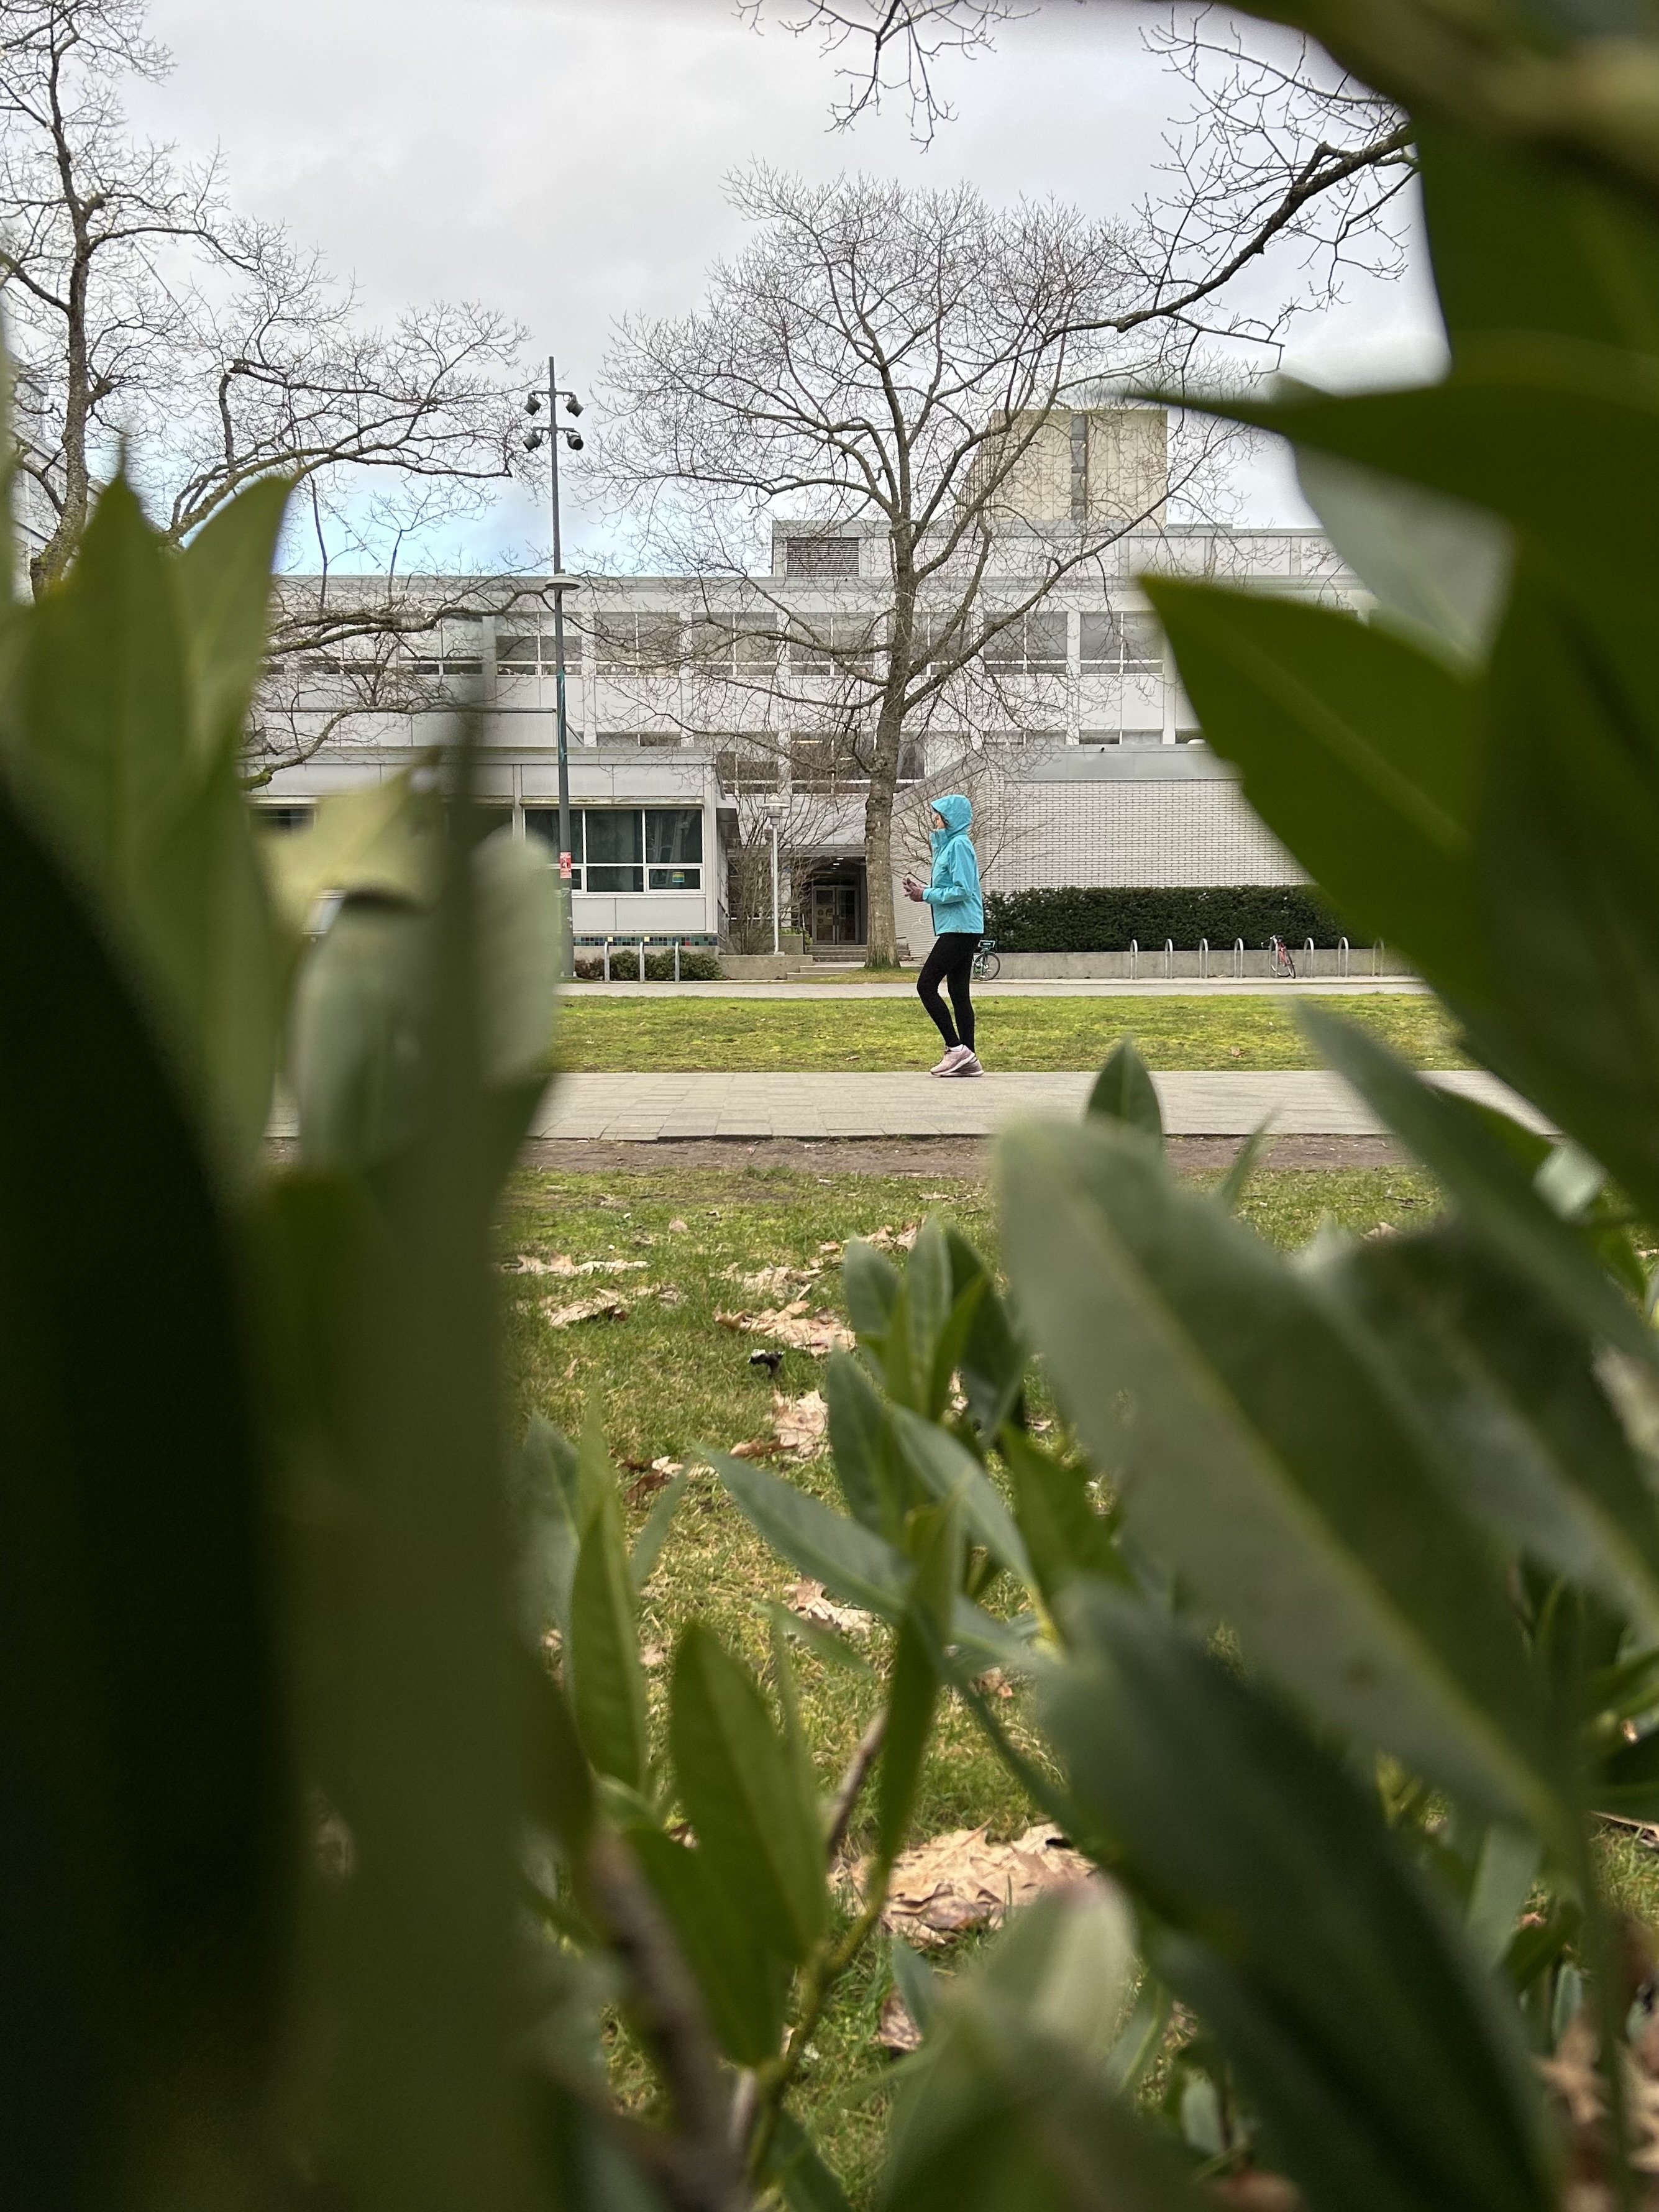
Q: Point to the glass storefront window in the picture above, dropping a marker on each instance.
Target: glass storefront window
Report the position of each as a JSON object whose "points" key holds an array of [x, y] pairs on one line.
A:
{"points": [[673, 848], [614, 849]]}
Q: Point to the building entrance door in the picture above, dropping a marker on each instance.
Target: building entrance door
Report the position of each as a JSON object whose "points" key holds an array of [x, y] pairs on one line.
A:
{"points": [[833, 917]]}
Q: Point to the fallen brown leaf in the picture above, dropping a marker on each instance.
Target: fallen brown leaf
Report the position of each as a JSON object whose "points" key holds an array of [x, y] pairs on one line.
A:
{"points": [[895, 2029], [601, 1309], [808, 1599], [650, 1477], [677, 1228], [962, 1880], [526, 1263], [818, 1333], [800, 1423], [755, 1447]]}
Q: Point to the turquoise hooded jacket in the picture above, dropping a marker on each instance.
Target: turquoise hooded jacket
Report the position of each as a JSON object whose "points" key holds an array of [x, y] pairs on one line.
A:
{"points": [[953, 887]]}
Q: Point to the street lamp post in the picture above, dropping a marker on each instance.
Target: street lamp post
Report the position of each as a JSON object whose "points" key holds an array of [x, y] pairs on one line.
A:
{"points": [[573, 438]]}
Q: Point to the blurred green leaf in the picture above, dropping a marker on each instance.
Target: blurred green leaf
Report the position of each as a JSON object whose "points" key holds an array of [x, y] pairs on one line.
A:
{"points": [[224, 581], [870, 1283], [949, 1472], [548, 1518], [421, 1988], [1264, 1459], [913, 1696], [648, 1545], [602, 1670], [1358, 750], [1491, 1185], [1385, 2070], [131, 772], [1523, 242], [851, 1560], [797, 2168], [1124, 1091], [1439, 571], [858, 1443], [1230, 1191], [743, 1984], [991, 1360], [756, 1827], [1569, 881], [1008, 2103], [561, 1787], [355, 1058], [1509, 1395], [1503, 1876], [148, 1854], [823, 1642], [379, 840], [1065, 1536]]}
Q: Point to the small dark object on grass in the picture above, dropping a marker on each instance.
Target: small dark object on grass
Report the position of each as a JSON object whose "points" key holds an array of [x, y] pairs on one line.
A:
{"points": [[770, 1360]]}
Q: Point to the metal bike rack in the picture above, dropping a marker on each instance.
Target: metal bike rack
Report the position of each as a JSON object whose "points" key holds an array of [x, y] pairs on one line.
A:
{"points": [[607, 959], [1204, 959], [1134, 961], [1308, 948], [1377, 957], [641, 960], [1169, 958], [677, 960], [1341, 955], [1238, 958]]}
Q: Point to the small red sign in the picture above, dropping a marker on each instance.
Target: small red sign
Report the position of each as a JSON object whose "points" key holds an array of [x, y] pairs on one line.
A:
{"points": [[564, 867]]}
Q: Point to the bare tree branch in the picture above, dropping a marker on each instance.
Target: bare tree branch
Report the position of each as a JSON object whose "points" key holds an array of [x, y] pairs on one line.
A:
{"points": [[152, 326]]}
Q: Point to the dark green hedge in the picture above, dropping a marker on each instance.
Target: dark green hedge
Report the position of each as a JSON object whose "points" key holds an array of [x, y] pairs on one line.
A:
{"points": [[1104, 920]]}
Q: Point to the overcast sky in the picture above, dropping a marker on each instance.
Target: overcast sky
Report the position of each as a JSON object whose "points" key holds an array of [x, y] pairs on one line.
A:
{"points": [[563, 160]]}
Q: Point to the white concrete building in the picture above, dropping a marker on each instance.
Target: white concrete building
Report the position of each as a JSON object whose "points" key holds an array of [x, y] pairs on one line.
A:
{"points": [[689, 708]]}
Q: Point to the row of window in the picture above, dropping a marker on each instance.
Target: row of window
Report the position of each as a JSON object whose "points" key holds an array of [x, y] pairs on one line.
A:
{"points": [[747, 645], [627, 848]]}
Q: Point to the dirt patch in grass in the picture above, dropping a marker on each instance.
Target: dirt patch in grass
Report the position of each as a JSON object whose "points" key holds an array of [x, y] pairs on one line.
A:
{"points": [[947, 1159]]}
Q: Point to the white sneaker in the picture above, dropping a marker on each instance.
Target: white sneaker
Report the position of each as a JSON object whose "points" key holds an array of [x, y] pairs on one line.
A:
{"points": [[952, 1061], [967, 1065]]}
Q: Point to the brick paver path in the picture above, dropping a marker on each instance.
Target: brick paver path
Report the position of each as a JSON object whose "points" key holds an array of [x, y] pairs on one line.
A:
{"points": [[1218, 1103]]}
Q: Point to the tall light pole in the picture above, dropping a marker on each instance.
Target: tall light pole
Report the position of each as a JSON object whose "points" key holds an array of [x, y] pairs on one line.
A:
{"points": [[561, 585]]}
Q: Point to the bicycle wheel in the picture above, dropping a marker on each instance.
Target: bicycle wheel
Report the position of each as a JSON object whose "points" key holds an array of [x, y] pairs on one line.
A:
{"points": [[988, 967]]}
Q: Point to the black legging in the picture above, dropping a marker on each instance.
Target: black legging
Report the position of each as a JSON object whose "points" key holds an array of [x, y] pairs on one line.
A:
{"points": [[950, 962]]}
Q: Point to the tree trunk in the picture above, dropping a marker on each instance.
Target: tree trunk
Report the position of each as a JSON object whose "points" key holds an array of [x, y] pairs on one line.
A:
{"points": [[882, 933]]}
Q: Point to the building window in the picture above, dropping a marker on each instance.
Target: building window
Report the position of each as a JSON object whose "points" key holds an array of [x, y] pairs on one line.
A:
{"points": [[828, 642], [631, 849], [719, 644], [284, 817], [544, 822], [455, 650], [673, 848], [637, 640], [1036, 644], [746, 766], [821, 557], [615, 849], [532, 652], [1121, 644]]}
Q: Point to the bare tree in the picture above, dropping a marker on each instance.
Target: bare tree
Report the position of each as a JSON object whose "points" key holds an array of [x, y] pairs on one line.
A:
{"points": [[1279, 145], [906, 360], [151, 321]]}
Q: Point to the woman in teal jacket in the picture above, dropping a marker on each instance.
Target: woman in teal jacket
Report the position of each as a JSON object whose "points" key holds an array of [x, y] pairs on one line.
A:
{"points": [[953, 891]]}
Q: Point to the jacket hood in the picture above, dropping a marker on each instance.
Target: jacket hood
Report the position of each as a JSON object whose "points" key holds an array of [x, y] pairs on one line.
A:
{"points": [[956, 810]]}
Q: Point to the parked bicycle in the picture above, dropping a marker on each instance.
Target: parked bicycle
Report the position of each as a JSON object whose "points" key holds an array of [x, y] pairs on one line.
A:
{"points": [[986, 966], [1280, 966]]}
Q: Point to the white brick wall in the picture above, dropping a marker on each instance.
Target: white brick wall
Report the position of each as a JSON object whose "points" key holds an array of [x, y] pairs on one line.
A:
{"points": [[1153, 834]]}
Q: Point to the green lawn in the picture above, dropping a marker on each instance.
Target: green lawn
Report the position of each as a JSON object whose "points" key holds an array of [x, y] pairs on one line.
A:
{"points": [[709, 1032], [668, 1377]]}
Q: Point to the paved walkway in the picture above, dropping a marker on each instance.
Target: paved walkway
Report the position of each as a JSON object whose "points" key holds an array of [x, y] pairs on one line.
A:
{"points": [[1047, 986], [643, 1109]]}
